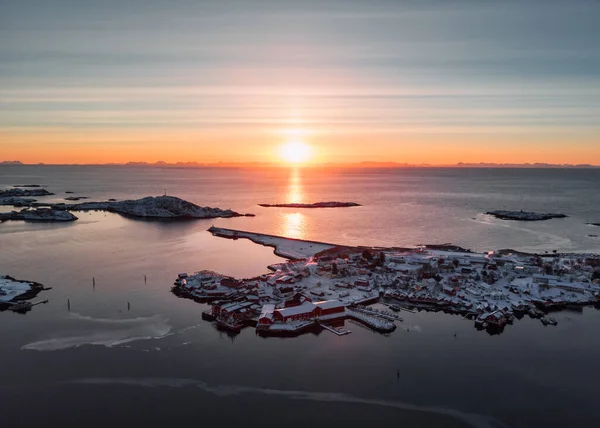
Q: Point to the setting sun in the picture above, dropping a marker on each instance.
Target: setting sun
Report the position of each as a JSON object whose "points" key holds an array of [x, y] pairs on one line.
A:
{"points": [[295, 152]]}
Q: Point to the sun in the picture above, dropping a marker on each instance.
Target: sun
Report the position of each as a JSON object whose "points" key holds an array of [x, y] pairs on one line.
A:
{"points": [[295, 152]]}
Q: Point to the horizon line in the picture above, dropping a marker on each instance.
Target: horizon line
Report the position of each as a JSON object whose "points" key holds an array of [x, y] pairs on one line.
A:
{"points": [[363, 164]]}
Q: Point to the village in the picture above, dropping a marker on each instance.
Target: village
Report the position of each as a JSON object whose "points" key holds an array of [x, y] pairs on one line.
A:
{"points": [[338, 283]]}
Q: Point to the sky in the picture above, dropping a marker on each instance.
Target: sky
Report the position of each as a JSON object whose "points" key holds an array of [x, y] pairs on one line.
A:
{"points": [[435, 82]]}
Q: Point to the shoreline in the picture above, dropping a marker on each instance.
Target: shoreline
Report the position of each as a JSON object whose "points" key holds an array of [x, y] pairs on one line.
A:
{"points": [[492, 288]]}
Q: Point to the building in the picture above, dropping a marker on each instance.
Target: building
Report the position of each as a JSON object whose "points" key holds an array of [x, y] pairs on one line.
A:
{"points": [[329, 307], [362, 283], [539, 278], [304, 311], [266, 317]]}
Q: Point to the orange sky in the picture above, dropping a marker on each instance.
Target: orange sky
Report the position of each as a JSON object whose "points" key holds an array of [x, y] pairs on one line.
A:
{"points": [[112, 146]]}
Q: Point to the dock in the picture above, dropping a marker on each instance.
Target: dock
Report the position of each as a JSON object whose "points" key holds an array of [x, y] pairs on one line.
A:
{"points": [[336, 330], [23, 306]]}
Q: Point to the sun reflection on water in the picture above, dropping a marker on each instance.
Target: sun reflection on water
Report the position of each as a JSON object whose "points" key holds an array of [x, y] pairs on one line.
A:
{"points": [[295, 194], [293, 223]]}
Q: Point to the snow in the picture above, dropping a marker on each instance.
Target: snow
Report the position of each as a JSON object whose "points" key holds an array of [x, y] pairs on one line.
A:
{"points": [[294, 249], [11, 288], [167, 207], [160, 207], [487, 287], [304, 308], [16, 201], [24, 192], [329, 304], [40, 214]]}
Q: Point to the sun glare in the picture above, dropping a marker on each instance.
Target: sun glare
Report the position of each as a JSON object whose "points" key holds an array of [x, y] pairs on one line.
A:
{"points": [[295, 152]]}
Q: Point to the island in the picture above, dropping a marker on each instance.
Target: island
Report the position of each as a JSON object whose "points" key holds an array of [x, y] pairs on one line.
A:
{"points": [[16, 201], [159, 207], [14, 293], [75, 198], [313, 205], [524, 215], [39, 214], [593, 224], [27, 185], [23, 192], [321, 285]]}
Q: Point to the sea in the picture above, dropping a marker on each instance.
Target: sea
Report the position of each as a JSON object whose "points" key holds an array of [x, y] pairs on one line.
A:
{"points": [[114, 347]]}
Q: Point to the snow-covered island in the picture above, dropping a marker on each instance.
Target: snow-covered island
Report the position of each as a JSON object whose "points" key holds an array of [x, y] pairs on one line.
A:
{"points": [[524, 215], [19, 192], [13, 291], [39, 214], [16, 201], [159, 207], [326, 284], [593, 224], [313, 205]]}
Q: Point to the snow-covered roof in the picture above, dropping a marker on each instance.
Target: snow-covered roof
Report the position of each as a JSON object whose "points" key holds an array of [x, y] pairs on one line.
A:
{"points": [[329, 304], [296, 310]]}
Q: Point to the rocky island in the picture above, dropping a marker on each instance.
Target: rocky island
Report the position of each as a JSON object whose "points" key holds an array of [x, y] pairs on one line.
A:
{"points": [[159, 207], [16, 201], [75, 198], [19, 192], [325, 284], [313, 205], [14, 293], [524, 215], [39, 214]]}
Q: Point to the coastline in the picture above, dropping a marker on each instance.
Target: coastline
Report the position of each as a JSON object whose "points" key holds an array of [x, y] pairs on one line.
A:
{"points": [[493, 288]]}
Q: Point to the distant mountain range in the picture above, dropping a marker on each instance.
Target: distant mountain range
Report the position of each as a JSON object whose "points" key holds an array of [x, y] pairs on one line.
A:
{"points": [[365, 164]]}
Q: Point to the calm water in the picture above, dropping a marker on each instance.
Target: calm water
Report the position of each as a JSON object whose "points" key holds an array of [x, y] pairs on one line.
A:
{"points": [[157, 363]]}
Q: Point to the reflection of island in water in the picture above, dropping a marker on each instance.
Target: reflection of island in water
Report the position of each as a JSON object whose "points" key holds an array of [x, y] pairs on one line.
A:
{"points": [[323, 284]]}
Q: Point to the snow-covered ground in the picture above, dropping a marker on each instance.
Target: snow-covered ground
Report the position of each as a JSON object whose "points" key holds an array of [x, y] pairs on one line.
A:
{"points": [[294, 249], [18, 192], [11, 288], [40, 214], [166, 207], [16, 201], [492, 286]]}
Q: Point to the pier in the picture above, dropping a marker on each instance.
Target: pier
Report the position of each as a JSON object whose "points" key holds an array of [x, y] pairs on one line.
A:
{"points": [[339, 331]]}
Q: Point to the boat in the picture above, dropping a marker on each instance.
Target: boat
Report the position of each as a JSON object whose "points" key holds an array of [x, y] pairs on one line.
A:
{"points": [[395, 308]]}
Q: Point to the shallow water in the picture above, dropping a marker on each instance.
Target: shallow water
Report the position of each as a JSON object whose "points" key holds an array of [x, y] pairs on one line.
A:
{"points": [[158, 363]]}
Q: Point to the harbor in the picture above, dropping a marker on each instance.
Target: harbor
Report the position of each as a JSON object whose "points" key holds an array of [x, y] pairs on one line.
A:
{"points": [[341, 282]]}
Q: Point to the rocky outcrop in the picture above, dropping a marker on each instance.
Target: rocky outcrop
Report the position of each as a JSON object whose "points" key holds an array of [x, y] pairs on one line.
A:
{"points": [[159, 207], [39, 214], [313, 205], [19, 192], [16, 201], [524, 215]]}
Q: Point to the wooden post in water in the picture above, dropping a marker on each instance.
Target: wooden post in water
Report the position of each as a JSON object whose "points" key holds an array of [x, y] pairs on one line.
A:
{"points": [[93, 282], [144, 279], [128, 306], [68, 305]]}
